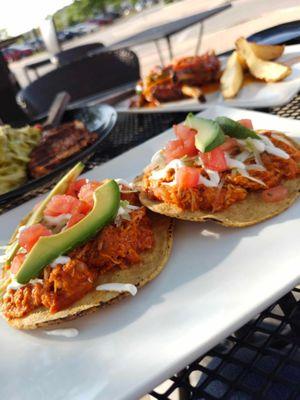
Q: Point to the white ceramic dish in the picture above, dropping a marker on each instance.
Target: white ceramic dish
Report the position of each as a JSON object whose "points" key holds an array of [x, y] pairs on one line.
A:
{"points": [[253, 95], [209, 288]]}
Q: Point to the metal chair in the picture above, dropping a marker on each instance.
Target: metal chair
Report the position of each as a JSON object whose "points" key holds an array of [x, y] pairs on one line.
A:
{"points": [[82, 79], [75, 53]]}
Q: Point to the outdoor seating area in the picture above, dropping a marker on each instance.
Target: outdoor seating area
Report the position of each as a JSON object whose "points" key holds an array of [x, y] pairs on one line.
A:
{"points": [[149, 207]]}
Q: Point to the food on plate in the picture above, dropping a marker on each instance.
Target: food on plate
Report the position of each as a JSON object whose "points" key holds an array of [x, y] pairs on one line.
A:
{"points": [[179, 80], [15, 148], [232, 77], [30, 152], [222, 170], [267, 52], [57, 145], [87, 244], [254, 59], [265, 70]]}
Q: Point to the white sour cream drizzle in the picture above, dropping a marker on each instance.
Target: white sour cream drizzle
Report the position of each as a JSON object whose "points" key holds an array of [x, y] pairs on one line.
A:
{"points": [[213, 181], [158, 158], [124, 212], [60, 260], [121, 181], [21, 229], [59, 220], [118, 287], [259, 146], [161, 173], [68, 333], [281, 139], [14, 285], [272, 149], [207, 233], [234, 163], [251, 178]]}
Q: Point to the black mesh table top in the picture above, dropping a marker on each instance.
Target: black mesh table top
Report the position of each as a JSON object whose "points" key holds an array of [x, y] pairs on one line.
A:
{"points": [[262, 359]]}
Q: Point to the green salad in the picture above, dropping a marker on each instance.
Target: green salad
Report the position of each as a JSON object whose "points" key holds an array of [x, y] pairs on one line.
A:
{"points": [[15, 148]]}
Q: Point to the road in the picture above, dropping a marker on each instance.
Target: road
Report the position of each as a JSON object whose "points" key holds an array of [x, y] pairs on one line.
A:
{"points": [[242, 19]]}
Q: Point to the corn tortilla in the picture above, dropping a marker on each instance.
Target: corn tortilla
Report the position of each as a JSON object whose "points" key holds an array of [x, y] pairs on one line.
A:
{"points": [[152, 263], [249, 211]]}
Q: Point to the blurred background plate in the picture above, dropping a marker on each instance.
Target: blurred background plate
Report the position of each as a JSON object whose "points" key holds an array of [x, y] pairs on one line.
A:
{"points": [[254, 94], [98, 118]]}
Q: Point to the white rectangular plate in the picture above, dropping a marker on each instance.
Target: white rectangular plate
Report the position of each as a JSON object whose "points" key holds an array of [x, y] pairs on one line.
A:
{"points": [[209, 288], [252, 95]]}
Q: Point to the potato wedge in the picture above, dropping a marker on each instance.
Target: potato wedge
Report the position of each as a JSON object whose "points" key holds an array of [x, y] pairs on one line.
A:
{"points": [[232, 77], [267, 52], [265, 70]]}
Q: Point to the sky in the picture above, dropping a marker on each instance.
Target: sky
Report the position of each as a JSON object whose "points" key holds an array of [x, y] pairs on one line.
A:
{"points": [[19, 16]]}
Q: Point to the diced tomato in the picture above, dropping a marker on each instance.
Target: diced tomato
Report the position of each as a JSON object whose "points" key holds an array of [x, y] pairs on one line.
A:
{"points": [[62, 204], [86, 192], [187, 177], [29, 236], [85, 208], [214, 160], [229, 144], [189, 146], [184, 132], [247, 123], [17, 262], [74, 219], [179, 148], [174, 149], [75, 187], [275, 194], [174, 144]]}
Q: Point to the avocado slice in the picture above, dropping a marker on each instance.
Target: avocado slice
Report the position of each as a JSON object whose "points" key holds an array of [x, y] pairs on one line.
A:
{"points": [[209, 133], [37, 214], [48, 248], [236, 130]]}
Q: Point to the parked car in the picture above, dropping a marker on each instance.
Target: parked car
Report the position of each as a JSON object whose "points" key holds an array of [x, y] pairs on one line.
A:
{"points": [[101, 20], [35, 44], [65, 35], [83, 28], [16, 52]]}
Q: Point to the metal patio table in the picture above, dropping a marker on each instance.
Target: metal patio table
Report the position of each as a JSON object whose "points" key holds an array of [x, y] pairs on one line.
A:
{"points": [[166, 31], [262, 359]]}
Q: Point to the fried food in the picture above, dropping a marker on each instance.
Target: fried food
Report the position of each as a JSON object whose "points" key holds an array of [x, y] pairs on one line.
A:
{"points": [[232, 77], [267, 71]]}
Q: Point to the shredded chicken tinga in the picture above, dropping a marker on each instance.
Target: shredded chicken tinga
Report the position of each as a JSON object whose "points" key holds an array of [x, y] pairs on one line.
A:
{"points": [[132, 249], [238, 183]]}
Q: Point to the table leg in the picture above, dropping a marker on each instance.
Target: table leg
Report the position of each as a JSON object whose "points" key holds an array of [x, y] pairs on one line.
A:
{"points": [[199, 40], [26, 73], [159, 52], [168, 39]]}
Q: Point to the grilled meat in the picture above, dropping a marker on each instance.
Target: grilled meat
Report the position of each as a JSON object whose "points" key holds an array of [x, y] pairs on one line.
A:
{"points": [[198, 70], [167, 92], [57, 145], [166, 84]]}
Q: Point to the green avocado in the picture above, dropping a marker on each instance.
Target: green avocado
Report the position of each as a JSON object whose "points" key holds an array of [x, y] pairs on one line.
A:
{"points": [[48, 248], [234, 129], [37, 214], [209, 134]]}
